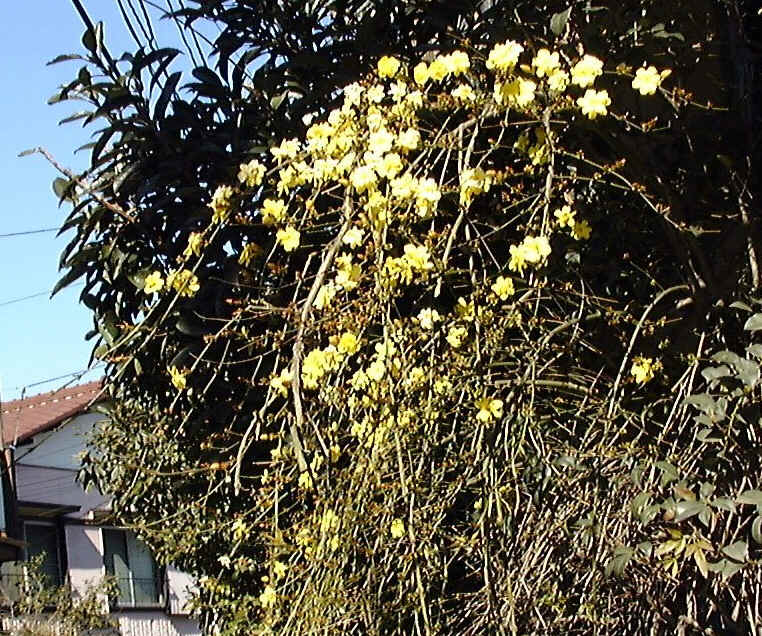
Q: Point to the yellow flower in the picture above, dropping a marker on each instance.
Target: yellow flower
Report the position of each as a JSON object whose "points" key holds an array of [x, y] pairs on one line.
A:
{"points": [[288, 149], [282, 382], [545, 63], [414, 99], [390, 166], [363, 178], [318, 136], [268, 598], [647, 80], [273, 211], [397, 91], [279, 569], [184, 282], [153, 283], [473, 181], [349, 273], [375, 94], [455, 336], [457, 62], [380, 141], [644, 369], [178, 378], [594, 103], [249, 253], [438, 69], [288, 238], [519, 92], [427, 317], [464, 93], [584, 72], [565, 216], [531, 250], [581, 230], [421, 73], [409, 139], [220, 203], [404, 187], [388, 66], [503, 288], [489, 409], [417, 256], [353, 237], [352, 94], [397, 529], [427, 196], [325, 295], [348, 343], [504, 56], [195, 241], [251, 173], [558, 81]]}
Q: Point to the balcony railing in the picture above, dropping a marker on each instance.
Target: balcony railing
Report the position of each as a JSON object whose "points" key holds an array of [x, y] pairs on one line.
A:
{"points": [[139, 592]]}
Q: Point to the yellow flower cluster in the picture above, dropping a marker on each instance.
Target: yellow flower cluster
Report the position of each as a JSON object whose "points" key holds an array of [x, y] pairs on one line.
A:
{"points": [[647, 80], [531, 251], [183, 281], [153, 283], [252, 173], [220, 203], [178, 377], [644, 369], [488, 409]]}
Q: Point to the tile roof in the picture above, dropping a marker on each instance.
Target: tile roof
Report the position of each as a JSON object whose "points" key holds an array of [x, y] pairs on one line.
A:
{"points": [[25, 418]]}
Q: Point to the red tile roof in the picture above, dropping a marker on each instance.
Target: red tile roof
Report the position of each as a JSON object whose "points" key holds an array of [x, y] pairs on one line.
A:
{"points": [[24, 418]]}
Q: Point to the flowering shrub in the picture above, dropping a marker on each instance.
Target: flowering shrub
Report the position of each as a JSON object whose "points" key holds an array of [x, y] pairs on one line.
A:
{"points": [[411, 362]]}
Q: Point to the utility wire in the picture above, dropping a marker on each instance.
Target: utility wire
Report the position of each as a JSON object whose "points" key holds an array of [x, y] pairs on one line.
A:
{"points": [[37, 295], [27, 232]]}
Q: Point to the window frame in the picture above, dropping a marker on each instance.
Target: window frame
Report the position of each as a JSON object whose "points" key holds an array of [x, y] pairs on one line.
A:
{"points": [[160, 583]]}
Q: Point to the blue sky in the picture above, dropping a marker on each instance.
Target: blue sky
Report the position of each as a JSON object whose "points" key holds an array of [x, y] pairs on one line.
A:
{"points": [[41, 338]]}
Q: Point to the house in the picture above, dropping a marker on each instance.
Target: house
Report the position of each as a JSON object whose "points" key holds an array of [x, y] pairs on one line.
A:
{"points": [[44, 510]]}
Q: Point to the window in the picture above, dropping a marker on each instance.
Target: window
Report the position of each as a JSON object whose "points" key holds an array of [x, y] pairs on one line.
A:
{"points": [[127, 559], [41, 539]]}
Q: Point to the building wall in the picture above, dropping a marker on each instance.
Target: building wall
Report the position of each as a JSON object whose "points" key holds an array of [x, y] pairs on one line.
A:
{"points": [[45, 473]]}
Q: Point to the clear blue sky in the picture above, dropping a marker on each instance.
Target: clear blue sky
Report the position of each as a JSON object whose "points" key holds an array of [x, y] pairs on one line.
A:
{"points": [[42, 338]]}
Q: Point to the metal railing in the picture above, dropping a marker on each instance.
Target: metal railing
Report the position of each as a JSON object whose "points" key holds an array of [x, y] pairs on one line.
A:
{"points": [[139, 592]]}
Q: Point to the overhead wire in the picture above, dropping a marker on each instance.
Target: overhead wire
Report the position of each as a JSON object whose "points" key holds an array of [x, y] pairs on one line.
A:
{"points": [[28, 232], [37, 295]]}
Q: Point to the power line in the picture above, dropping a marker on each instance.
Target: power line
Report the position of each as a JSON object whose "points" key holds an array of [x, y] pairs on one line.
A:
{"points": [[27, 232], [37, 295]]}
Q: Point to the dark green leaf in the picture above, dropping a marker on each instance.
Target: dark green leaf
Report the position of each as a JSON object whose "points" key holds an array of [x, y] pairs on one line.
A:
{"points": [[558, 21]]}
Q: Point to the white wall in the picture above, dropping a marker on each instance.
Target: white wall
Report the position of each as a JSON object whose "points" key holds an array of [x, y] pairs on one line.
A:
{"points": [[59, 448], [45, 474]]}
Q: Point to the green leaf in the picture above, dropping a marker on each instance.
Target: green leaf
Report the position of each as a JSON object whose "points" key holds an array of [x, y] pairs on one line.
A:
{"points": [[753, 497], [736, 551], [755, 350], [61, 187], [739, 305], [64, 58], [724, 503], [558, 21], [713, 373], [754, 323], [669, 472], [619, 561], [756, 530], [166, 94], [687, 509], [702, 401]]}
